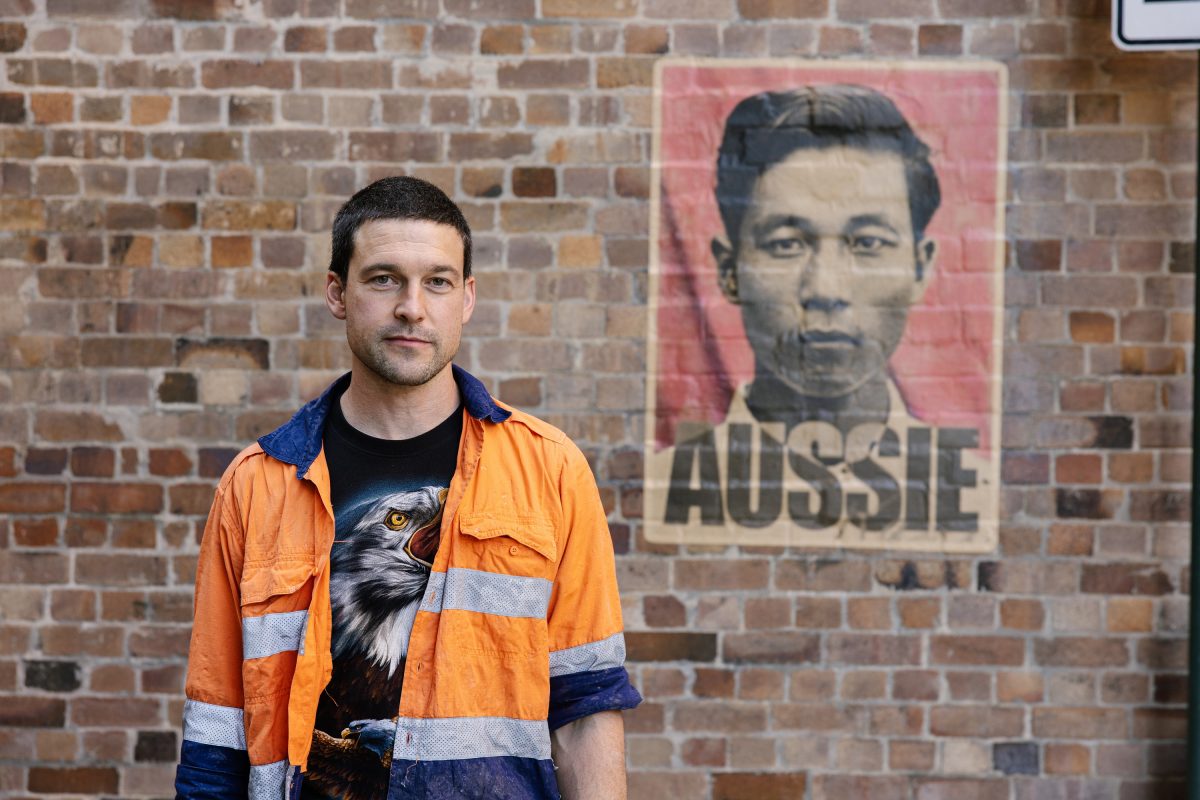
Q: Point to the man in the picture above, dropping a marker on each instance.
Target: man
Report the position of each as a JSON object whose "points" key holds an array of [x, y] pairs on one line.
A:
{"points": [[408, 590], [825, 194]]}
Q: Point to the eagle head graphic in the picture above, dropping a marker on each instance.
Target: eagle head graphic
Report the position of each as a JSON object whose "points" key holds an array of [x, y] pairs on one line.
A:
{"points": [[380, 569]]}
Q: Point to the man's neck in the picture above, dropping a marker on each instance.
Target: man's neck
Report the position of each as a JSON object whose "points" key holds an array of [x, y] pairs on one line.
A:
{"points": [[387, 411], [772, 400]]}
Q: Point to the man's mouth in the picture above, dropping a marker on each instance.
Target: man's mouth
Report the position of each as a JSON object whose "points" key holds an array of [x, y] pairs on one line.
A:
{"points": [[405, 338], [826, 337]]}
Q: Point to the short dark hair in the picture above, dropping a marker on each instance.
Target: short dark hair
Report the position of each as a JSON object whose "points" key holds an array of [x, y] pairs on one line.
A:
{"points": [[397, 197], [764, 129]]}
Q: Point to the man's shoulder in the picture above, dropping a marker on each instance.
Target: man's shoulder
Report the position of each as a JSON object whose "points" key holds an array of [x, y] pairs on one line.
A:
{"points": [[539, 428], [248, 464]]}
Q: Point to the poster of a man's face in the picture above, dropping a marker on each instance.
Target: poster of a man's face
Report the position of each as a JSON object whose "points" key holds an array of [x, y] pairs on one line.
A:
{"points": [[806, 294]]}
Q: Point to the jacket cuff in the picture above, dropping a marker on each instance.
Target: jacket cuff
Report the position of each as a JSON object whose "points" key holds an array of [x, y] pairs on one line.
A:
{"points": [[209, 771], [581, 694]]}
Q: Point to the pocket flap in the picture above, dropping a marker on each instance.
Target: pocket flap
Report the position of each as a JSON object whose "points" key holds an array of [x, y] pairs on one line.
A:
{"points": [[536, 533], [267, 580]]}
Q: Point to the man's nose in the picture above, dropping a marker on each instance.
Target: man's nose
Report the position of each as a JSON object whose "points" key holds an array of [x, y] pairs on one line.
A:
{"points": [[410, 305], [825, 283]]}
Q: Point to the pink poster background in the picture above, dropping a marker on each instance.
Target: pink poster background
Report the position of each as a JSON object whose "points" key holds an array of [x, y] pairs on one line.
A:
{"points": [[946, 361]]}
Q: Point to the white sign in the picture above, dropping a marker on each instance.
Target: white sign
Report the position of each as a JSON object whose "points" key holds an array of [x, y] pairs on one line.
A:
{"points": [[1156, 24]]}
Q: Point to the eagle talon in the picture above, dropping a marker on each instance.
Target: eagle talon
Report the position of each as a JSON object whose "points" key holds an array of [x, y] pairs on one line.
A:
{"points": [[373, 735]]}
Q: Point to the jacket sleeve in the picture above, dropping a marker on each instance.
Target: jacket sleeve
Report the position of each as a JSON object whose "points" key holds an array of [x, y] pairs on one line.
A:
{"points": [[213, 761], [587, 642]]}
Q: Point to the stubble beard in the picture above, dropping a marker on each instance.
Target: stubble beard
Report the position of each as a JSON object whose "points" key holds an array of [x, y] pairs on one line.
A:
{"points": [[409, 371]]}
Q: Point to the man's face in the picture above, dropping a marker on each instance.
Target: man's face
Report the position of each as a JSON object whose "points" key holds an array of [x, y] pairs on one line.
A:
{"points": [[404, 299], [825, 267]]}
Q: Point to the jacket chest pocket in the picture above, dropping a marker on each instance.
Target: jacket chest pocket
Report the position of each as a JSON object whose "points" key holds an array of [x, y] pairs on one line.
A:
{"points": [[517, 545], [275, 598], [495, 593]]}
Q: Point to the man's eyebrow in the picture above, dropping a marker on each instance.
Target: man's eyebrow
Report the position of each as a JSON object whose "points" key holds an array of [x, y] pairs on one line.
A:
{"points": [[773, 221], [871, 220], [436, 269]]}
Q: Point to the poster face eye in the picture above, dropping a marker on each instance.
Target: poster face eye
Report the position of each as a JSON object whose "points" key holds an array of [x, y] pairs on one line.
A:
{"points": [[396, 520], [826, 302]]}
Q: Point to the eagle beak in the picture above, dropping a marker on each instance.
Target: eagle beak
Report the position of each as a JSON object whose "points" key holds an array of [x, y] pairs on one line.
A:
{"points": [[422, 546]]}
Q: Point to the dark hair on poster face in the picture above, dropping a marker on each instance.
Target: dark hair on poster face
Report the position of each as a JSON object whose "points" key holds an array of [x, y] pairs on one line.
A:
{"points": [[764, 129], [399, 197]]}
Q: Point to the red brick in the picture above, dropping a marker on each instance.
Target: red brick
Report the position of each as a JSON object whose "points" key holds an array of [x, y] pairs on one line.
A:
{"points": [[120, 570], [874, 649], [242, 215], [227, 73], [159, 642], [704, 752], [813, 575], [544, 74], [724, 716], [110, 498], [346, 75], [589, 8], [58, 780], [1025, 615], [32, 712], [671, 646], [771, 647], [713, 682], [1080, 652], [940, 40], [919, 613], [394, 146], [32, 498], [1001, 650], [1080, 723], [1066, 759], [958, 788], [489, 146], [41, 532], [305, 39], [915, 685], [93, 462], [721, 574], [758, 786], [818, 612], [1092, 327], [1146, 579], [119, 711], [976, 721]]}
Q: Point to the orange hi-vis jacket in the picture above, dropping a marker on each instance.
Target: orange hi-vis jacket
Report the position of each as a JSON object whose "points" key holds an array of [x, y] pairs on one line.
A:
{"points": [[518, 632]]}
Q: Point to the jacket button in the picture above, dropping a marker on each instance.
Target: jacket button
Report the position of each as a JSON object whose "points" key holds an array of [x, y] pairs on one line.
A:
{"points": [[513, 550]]}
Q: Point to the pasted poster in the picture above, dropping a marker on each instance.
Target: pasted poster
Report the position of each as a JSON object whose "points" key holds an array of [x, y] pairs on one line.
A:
{"points": [[824, 356]]}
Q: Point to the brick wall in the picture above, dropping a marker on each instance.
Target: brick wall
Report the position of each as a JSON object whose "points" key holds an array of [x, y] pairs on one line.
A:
{"points": [[170, 168]]}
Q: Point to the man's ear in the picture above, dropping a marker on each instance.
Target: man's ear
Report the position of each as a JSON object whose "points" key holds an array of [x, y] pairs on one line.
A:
{"points": [[335, 295], [926, 259], [468, 299], [723, 253]]}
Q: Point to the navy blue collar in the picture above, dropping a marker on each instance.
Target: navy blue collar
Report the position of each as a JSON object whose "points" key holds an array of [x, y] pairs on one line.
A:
{"points": [[298, 441]]}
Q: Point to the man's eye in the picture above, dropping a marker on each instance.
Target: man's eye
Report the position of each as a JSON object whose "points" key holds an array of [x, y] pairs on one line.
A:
{"points": [[869, 244], [440, 283], [785, 248], [382, 280]]}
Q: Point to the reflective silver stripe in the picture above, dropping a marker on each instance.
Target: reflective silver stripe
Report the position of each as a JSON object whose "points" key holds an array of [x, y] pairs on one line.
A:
{"points": [[270, 781], [432, 599], [206, 723], [604, 654], [493, 593], [273, 633], [470, 737]]}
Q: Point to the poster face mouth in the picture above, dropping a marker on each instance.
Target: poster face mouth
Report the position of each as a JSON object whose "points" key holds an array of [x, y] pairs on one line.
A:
{"points": [[854, 309]]}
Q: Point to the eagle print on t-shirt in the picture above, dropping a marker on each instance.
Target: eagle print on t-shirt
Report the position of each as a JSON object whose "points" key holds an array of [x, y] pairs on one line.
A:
{"points": [[380, 563]]}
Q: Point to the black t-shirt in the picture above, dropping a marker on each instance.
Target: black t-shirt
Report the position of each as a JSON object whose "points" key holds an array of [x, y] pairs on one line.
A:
{"points": [[387, 500]]}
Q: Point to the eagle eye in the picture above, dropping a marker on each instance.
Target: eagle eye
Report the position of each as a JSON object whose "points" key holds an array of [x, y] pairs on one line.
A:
{"points": [[396, 520]]}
